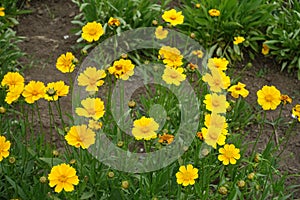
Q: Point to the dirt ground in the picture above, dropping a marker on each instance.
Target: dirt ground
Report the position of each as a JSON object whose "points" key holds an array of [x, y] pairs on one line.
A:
{"points": [[48, 34]]}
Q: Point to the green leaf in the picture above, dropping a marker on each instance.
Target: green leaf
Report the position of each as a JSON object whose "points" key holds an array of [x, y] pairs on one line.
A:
{"points": [[16, 187], [52, 161], [87, 195]]}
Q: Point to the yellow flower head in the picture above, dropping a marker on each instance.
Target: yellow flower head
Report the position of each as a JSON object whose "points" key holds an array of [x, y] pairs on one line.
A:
{"points": [[54, 90], [198, 53], [214, 12], [296, 112], [237, 90], [166, 138], [14, 94], [238, 40], [80, 136], [113, 22], [269, 97], [216, 103], [160, 33], [96, 125], [12, 79], [213, 136], [173, 17], [63, 177], [92, 31], [91, 78], [144, 128], [33, 91], [122, 69], [2, 13], [173, 76], [4, 148], [187, 175], [92, 108], [219, 63], [229, 154], [265, 49], [65, 62], [286, 99], [215, 80], [171, 56], [217, 121]]}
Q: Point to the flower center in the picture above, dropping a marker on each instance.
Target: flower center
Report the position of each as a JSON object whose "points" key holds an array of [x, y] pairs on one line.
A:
{"points": [[63, 178], [238, 88], [228, 154], [215, 103], [173, 17], [269, 98], [173, 75], [118, 67], [92, 31]]}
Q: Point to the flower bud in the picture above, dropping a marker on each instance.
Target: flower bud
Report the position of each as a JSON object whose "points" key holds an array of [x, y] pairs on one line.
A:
{"points": [[43, 179], [154, 22], [193, 35], [55, 153], [125, 184], [241, 183], [2, 110], [12, 160], [120, 143], [251, 176], [131, 104], [257, 157], [197, 5], [73, 161], [223, 190], [110, 174]]}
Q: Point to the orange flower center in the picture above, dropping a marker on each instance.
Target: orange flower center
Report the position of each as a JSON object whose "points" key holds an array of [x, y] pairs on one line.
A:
{"points": [[173, 75], [92, 31], [238, 88], [63, 178], [269, 98], [215, 103], [173, 17]]}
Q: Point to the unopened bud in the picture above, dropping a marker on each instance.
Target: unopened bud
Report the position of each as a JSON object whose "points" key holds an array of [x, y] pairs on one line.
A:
{"points": [[43, 179], [110, 174], [125, 184], [223, 190], [241, 183], [2, 110], [154, 22]]}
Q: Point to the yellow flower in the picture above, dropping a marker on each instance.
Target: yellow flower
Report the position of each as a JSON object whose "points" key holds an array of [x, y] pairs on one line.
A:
{"points": [[173, 76], [113, 22], [216, 103], [214, 80], [217, 121], [54, 90], [91, 78], [160, 33], [122, 69], [213, 136], [33, 91], [187, 175], [214, 12], [197, 5], [238, 40], [12, 79], [198, 53], [229, 154], [237, 90], [65, 62], [286, 99], [14, 94], [265, 49], [63, 176], [173, 17], [171, 56], [92, 31], [166, 138], [219, 63], [144, 128], [4, 148], [92, 107], [296, 112], [80, 136], [93, 124], [2, 13], [269, 97]]}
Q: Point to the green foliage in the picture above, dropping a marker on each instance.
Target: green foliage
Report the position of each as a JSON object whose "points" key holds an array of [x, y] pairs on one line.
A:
{"points": [[284, 36]]}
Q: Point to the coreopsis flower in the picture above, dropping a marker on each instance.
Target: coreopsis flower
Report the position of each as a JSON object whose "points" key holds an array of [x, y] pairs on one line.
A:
{"points": [[122, 69], [269, 97], [217, 121], [219, 63], [91, 78], [92, 108], [171, 56], [96, 125], [66, 62], [225, 80], [238, 40], [173, 76], [54, 90], [2, 13], [286, 99], [216, 103], [296, 112], [214, 80], [4, 148], [144, 128], [12, 79], [63, 177], [80, 136], [173, 17], [161, 33], [166, 138], [33, 91], [187, 175], [214, 12], [113, 22], [237, 90], [13, 94], [265, 49], [198, 53], [92, 31], [213, 136], [229, 154]]}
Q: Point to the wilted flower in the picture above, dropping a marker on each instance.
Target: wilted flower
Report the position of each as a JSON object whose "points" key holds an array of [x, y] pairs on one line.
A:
{"points": [[113, 22], [265, 49], [286, 99], [92, 31], [96, 125], [166, 138]]}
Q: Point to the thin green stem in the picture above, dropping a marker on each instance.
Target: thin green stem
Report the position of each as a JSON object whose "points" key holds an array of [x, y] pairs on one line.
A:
{"points": [[259, 134]]}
